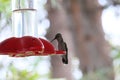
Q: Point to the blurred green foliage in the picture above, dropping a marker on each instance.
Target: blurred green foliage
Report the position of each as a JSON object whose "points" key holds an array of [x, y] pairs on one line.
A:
{"points": [[5, 7], [115, 52], [5, 14], [21, 74], [4, 4], [14, 73]]}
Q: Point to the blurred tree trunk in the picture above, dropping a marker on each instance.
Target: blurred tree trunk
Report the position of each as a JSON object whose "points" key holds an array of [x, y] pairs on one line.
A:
{"points": [[59, 24], [80, 23], [92, 50]]}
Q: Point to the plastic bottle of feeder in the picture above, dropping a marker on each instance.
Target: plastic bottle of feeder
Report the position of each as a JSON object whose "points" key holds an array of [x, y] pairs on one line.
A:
{"points": [[24, 18]]}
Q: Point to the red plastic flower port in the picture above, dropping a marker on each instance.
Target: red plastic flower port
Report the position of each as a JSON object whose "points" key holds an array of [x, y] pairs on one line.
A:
{"points": [[27, 46], [49, 48]]}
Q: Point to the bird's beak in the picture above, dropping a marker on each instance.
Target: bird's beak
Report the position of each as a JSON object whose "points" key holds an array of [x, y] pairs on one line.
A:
{"points": [[52, 40]]}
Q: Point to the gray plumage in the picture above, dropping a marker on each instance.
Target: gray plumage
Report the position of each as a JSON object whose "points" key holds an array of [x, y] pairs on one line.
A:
{"points": [[62, 46]]}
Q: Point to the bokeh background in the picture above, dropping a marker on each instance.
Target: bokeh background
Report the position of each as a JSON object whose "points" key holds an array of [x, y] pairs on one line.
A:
{"points": [[89, 27]]}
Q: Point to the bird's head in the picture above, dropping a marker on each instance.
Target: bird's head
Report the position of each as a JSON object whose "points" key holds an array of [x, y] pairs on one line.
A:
{"points": [[58, 36]]}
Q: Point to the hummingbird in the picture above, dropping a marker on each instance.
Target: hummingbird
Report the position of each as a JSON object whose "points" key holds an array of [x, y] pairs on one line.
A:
{"points": [[62, 46]]}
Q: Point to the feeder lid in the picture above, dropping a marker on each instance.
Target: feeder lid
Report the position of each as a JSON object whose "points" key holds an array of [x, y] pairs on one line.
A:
{"points": [[21, 45]]}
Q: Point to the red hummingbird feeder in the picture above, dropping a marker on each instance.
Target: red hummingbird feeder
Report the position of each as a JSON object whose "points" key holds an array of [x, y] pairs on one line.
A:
{"points": [[27, 46], [26, 41]]}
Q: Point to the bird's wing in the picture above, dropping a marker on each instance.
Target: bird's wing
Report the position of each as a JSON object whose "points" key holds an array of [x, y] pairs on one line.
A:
{"points": [[66, 48]]}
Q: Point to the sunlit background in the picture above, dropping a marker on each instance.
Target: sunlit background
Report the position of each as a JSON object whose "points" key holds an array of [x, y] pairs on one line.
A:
{"points": [[9, 67]]}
